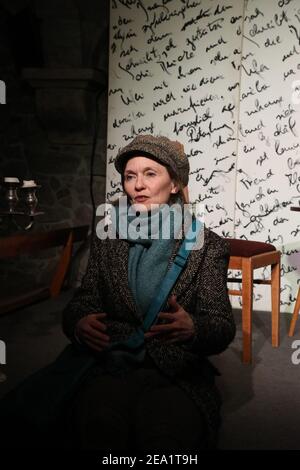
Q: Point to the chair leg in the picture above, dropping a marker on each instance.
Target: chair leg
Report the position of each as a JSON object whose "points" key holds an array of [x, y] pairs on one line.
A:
{"points": [[275, 292], [63, 265], [295, 315], [247, 299]]}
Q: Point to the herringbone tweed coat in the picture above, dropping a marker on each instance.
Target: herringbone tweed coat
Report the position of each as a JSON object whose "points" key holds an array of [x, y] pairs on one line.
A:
{"points": [[201, 290]]}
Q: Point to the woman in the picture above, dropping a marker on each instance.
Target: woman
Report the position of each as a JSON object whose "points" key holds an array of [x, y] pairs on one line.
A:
{"points": [[161, 396]]}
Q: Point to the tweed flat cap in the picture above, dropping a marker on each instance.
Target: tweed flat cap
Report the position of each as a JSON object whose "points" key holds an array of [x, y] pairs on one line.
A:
{"points": [[165, 151]]}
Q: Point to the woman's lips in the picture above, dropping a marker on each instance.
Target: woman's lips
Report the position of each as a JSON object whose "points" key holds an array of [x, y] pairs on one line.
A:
{"points": [[140, 198]]}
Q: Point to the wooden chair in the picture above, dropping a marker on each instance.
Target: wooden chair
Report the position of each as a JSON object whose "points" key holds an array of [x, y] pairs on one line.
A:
{"points": [[297, 304], [247, 256], [295, 315], [14, 246]]}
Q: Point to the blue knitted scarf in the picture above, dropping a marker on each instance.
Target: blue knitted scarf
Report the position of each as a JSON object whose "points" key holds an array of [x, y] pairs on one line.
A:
{"points": [[151, 235]]}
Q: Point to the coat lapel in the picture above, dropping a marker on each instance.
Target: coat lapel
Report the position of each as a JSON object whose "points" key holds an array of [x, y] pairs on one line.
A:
{"points": [[119, 253], [119, 261], [189, 271]]}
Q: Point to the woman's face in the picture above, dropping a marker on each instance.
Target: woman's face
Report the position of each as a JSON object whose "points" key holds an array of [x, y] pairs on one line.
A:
{"points": [[147, 182]]}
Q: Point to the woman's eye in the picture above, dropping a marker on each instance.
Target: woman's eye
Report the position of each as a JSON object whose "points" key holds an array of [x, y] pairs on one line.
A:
{"points": [[128, 177], [150, 173]]}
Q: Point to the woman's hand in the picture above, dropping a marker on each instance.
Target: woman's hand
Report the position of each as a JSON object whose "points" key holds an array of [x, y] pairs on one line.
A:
{"points": [[90, 330], [180, 326]]}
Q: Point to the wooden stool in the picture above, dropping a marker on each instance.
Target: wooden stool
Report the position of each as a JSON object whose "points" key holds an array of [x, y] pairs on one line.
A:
{"points": [[247, 256]]}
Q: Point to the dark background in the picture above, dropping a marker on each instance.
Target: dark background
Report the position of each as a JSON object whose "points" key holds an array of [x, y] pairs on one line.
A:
{"points": [[53, 60]]}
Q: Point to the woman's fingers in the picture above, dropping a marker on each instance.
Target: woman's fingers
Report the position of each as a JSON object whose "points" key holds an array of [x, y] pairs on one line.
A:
{"points": [[149, 334], [164, 328], [158, 330], [96, 334], [94, 346], [158, 334], [97, 325], [172, 336], [103, 341], [167, 316], [100, 315], [94, 319], [92, 329]]}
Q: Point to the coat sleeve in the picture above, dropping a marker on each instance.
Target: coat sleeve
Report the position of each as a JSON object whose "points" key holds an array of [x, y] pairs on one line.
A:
{"points": [[213, 318], [87, 298]]}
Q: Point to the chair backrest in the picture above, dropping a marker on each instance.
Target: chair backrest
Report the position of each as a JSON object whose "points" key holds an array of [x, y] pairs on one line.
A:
{"points": [[16, 245]]}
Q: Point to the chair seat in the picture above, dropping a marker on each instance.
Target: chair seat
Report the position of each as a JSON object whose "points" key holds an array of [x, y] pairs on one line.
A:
{"points": [[247, 256], [248, 248]]}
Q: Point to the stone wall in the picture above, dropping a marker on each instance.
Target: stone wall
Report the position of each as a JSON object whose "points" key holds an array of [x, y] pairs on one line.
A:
{"points": [[53, 59]]}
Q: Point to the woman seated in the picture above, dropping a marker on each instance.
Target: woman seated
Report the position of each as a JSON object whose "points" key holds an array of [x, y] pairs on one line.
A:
{"points": [[157, 392]]}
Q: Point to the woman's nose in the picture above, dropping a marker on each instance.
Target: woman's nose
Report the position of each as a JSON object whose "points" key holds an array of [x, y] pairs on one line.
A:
{"points": [[139, 182]]}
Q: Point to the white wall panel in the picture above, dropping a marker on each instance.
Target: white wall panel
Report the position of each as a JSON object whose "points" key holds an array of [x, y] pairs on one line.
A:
{"points": [[220, 77]]}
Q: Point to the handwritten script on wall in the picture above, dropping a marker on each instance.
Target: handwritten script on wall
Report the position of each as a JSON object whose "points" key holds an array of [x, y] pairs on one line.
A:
{"points": [[268, 167], [217, 76]]}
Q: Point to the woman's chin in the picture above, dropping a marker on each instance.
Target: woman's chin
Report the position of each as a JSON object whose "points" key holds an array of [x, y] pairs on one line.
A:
{"points": [[142, 206]]}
